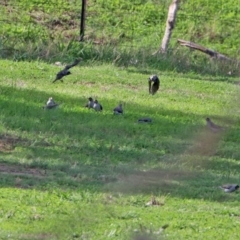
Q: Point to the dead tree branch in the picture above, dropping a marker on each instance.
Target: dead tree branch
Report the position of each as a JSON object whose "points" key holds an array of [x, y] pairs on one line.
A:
{"points": [[200, 48]]}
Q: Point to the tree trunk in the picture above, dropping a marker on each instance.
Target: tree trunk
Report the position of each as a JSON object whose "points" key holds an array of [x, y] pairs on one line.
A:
{"points": [[172, 13]]}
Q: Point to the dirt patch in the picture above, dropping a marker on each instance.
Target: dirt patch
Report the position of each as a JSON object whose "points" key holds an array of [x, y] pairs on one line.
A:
{"points": [[206, 143], [89, 84], [21, 171], [133, 87], [105, 89], [149, 181], [38, 236], [8, 142]]}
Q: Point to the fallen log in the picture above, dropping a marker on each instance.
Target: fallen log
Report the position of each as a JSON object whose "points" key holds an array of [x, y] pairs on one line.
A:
{"points": [[200, 48]]}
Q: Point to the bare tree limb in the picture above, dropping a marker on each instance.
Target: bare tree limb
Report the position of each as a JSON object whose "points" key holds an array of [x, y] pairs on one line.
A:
{"points": [[200, 48]]}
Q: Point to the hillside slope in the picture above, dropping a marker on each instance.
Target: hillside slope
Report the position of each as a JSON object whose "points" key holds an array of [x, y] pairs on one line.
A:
{"points": [[138, 24]]}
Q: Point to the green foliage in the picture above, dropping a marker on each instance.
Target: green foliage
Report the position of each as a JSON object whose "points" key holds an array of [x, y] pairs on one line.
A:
{"points": [[133, 24]]}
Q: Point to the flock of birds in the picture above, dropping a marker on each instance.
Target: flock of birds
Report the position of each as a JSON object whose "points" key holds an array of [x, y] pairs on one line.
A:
{"points": [[153, 82], [153, 87]]}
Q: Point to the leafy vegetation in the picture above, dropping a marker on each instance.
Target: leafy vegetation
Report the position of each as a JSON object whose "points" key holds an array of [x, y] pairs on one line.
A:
{"points": [[133, 26]]}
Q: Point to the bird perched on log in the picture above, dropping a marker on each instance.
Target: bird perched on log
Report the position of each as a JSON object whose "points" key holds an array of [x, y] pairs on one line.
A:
{"points": [[212, 126], [66, 71], [153, 83], [229, 187], [90, 103], [145, 120], [118, 110], [50, 104], [97, 106]]}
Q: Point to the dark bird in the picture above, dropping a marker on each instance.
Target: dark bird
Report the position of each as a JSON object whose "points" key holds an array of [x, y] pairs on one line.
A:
{"points": [[50, 104], [153, 83], [212, 126], [118, 110], [229, 187], [66, 71], [90, 103], [97, 106], [145, 120]]}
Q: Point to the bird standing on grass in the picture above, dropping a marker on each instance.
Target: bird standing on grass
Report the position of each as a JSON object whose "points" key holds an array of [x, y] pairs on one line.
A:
{"points": [[229, 187], [90, 103], [97, 106], [118, 110], [212, 126], [66, 71], [145, 120], [50, 104], [153, 84]]}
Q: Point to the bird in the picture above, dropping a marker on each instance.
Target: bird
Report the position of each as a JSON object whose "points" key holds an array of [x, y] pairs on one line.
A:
{"points": [[66, 71], [212, 126], [229, 187], [153, 83], [90, 103], [50, 104], [145, 120], [97, 106], [118, 110]]}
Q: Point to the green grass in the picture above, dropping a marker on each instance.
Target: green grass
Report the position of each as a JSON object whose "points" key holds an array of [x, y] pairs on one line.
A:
{"points": [[72, 173], [33, 29]]}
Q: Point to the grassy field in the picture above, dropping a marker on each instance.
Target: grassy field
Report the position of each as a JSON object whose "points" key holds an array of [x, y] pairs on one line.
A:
{"points": [[72, 173]]}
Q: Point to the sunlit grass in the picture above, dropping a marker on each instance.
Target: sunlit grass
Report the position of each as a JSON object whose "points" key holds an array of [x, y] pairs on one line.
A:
{"points": [[75, 173]]}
